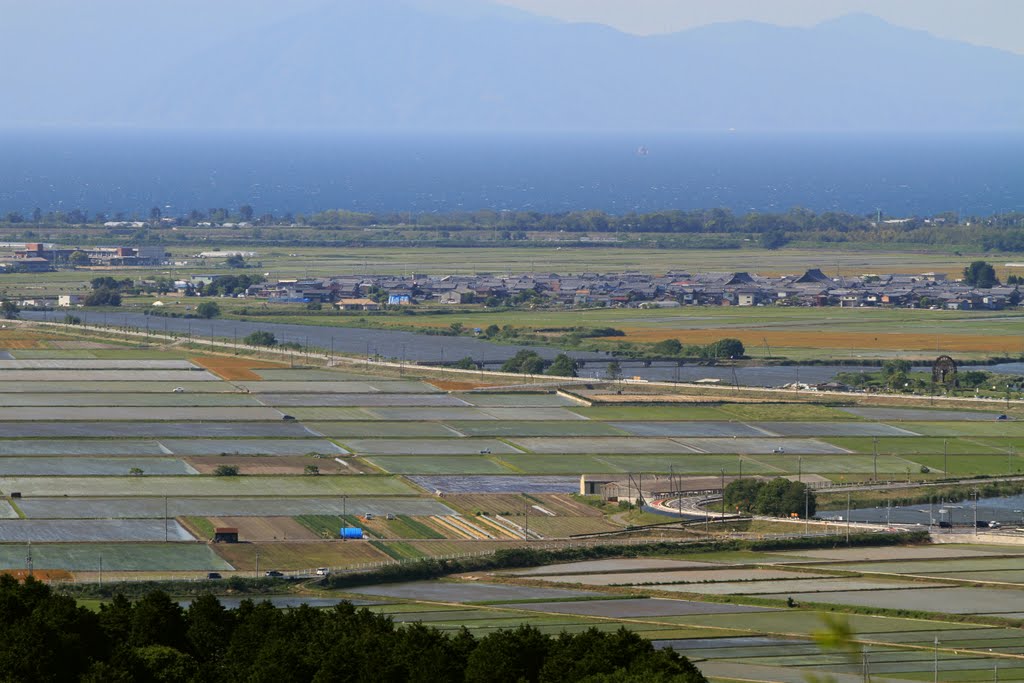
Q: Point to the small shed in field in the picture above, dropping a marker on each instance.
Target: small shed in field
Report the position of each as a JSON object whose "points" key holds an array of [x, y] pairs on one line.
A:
{"points": [[225, 534]]}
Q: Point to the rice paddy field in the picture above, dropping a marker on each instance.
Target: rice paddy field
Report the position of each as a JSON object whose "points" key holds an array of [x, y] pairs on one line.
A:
{"points": [[731, 613], [129, 458], [66, 435]]}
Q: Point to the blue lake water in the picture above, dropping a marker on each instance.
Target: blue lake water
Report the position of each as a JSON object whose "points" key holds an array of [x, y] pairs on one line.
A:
{"points": [[131, 171]]}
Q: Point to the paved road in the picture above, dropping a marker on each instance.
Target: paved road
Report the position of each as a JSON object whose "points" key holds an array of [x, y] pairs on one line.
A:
{"points": [[347, 340]]}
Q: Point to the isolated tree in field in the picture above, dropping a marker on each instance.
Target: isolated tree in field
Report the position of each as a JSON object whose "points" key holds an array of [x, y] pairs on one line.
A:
{"points": [[563, 366], [895, 373], [667, 347], [260, 338], [726, 348], [226, 471], [525, 361], [741, 494], [103, 297], [9, 309], [980, 274], [614, 370], [776, 498], [208, 309], [235, 261]]}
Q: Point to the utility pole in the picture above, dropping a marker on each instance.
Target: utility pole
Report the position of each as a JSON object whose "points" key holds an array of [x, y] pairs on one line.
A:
{"points": [[975, 512], [807, 510], [874, 448], [723, 494], [847, 518], [526, 528]]}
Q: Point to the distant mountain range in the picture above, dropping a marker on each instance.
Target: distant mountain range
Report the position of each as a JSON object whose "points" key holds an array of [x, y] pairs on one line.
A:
{"points": [[455, 65]]}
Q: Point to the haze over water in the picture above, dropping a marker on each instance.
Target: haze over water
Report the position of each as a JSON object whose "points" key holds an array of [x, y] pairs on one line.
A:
{"points": [[131, 171]]}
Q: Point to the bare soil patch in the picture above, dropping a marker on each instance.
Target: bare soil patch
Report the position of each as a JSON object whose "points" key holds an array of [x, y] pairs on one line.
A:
{"points": [[234, 368], [40, 574], [273, 464], [265, 528]]}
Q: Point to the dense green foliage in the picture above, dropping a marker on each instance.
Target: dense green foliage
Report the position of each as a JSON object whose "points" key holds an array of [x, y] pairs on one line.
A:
{"points": [[208, 309], [562, 366], [721, 349], [980, 274], [260, 338], [776, 498], [697, 229], [9, 309], [103, 297], [228, 284], [525, 361], [47, 637]]}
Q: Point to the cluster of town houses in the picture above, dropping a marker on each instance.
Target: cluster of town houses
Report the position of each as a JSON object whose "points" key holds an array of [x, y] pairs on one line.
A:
{"points": [[812, 288]]}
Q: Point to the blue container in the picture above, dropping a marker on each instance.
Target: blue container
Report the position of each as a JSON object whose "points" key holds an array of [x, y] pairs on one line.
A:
{"points": [[351, 532]]}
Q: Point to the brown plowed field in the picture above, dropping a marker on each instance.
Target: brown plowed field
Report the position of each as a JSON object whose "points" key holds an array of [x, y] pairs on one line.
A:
{"points": [[23, 339], [265, 528], [272, 464], [234, 368], [562, 527], [565, 506], [40, 574], [491, 503]]}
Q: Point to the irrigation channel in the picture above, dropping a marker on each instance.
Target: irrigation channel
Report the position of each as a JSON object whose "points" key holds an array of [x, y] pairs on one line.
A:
{"points": [[422, 348]]}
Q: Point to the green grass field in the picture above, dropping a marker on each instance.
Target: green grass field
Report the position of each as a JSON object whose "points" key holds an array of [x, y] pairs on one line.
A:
{"points": [[438, 464], [754, 412], [653, 413]]}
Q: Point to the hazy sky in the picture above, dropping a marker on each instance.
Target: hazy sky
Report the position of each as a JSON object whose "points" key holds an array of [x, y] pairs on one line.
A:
{"points": [[996, 23]]}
